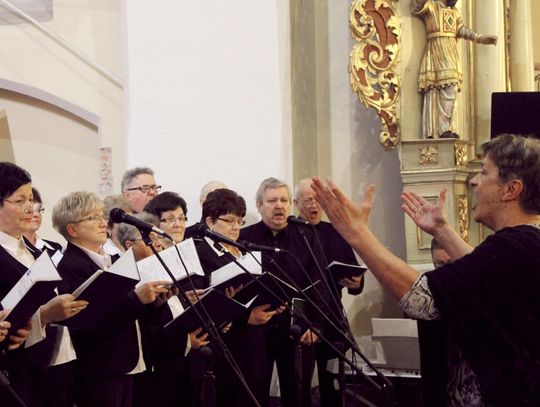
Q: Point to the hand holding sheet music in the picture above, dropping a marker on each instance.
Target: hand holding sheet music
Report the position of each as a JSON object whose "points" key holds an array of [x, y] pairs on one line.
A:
{"points": [[34, 288], [339, 270], [103, 289]]}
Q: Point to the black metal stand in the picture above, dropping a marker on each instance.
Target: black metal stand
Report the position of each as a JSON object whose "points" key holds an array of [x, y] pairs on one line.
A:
{"points": [[296, 333], [6, 385], [208, 389]]}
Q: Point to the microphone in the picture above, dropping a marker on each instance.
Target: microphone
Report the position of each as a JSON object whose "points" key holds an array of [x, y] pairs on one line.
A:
{"points": [[294, 219], [259, 247], [120, 216], [203, 230]]}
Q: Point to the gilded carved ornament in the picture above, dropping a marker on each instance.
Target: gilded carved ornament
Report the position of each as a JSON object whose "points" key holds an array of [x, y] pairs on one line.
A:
{"points": [[463, 216], [460, 154], [373, 60], [428, 155]]}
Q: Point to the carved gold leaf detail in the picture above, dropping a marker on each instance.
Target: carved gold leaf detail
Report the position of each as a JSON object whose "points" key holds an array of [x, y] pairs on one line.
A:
{"points": [[428, 155], [373, 60], [460, 153], [463, 216]]}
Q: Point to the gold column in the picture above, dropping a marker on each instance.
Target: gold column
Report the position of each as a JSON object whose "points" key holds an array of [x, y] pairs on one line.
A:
{"points": [[521, 52]]}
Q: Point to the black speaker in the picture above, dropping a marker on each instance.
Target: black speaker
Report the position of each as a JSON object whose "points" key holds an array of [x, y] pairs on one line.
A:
{"points": [[516, 113]]}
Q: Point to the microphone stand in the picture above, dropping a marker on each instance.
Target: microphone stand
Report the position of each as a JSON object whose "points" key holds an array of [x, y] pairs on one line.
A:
{"points": [[6, 384], [386, 387], [301, 316], [207, 324]]}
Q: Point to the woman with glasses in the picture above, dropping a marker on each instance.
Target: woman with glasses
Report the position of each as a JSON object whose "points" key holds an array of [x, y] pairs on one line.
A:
{"points": [[223, 212], [109, 352], [171, 209], [31, 233], [39, 371]]}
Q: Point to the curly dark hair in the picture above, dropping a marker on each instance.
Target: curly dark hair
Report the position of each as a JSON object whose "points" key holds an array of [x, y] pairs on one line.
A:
{"points": [[166, 201], [221, 202]]}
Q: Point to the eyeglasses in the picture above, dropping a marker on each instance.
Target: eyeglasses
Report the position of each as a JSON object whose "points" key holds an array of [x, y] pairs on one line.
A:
{"points": [[38, 208], [233, 221], [172, 220], [22, 204], [308, 201], [93, 218], [146, 188]]}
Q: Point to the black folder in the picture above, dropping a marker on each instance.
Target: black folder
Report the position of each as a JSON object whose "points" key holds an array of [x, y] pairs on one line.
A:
{"points": [[220, 308], [103, 290], [253, 288], [34, 288], [339, 270]]}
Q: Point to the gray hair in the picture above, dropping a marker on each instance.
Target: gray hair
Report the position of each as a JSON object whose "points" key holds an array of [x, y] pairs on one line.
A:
{"points": [[270, 183], [518, 157], [126, 232], [129, 175], [209, 187], [71, 208], [298, 187], [115, 201]]}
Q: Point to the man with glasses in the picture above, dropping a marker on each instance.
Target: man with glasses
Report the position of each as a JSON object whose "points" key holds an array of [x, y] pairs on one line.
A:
{"points": [[273, 202], [139, 187], [335, 248]]}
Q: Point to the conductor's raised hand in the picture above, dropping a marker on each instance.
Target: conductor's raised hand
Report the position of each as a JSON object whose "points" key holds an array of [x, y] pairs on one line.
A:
{"points": [[345, 215], [149, 292], [424, 214]]}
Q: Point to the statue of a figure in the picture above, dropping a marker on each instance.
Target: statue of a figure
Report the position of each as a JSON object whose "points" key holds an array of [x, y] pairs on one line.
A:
{"points": [[440, 78]]}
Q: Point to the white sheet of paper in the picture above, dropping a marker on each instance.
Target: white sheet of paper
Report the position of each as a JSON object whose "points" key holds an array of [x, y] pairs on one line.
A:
{"points": [[232, 270], [42, 270], [150, 269]]}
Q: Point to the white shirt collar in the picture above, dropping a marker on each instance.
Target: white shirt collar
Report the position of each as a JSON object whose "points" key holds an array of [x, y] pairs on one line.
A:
{"points": [[102, 260], [17, 248]]}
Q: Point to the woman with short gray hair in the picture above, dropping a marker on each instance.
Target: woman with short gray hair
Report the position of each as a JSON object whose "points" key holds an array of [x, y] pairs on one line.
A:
{"points": [[109, 353]]}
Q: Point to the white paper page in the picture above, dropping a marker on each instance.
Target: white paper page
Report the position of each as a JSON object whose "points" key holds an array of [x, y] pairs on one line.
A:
{"points": [[190, 257], [42, 270], [126, 266], [232, 270], [175, 306], [150, 269]]}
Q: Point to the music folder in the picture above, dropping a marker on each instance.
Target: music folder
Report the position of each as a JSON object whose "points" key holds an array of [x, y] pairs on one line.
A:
{"points": [[34, 288], [276, 285], [339, 270], [103, 290], [219, 308], [232, 275], [150, 268]]}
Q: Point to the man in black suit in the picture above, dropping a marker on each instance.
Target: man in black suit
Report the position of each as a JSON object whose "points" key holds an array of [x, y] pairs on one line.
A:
{"points": [[335, 248], [274, 204]]}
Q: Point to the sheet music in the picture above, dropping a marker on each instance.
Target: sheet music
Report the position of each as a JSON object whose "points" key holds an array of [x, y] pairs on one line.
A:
{"points": [[150, 269], [42, 270], [231, 269], [126, 266]]}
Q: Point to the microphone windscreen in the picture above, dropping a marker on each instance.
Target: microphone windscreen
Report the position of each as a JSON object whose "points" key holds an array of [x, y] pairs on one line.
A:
{"points": [[117, 215], [200, 230]]}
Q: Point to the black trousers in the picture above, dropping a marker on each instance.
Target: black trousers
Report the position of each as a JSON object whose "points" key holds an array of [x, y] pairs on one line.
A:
{"points": [[41, 386], [281, 350], [110, 391]]}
